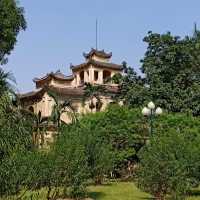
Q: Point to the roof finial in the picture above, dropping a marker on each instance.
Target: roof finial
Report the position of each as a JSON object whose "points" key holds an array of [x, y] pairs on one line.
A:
{"points": [[96, 34]]}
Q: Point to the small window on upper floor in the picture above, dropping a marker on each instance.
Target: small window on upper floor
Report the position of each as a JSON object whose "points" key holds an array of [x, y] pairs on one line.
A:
{"points": [[96, 75]]}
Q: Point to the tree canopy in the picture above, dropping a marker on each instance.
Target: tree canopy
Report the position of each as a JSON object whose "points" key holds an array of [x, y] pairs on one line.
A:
{"points": [[118, 127], [171, 74], [12, 21], [169, 165]]}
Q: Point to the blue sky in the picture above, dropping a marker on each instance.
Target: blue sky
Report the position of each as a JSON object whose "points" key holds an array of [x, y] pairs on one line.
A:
{"points": [[60, 31]]}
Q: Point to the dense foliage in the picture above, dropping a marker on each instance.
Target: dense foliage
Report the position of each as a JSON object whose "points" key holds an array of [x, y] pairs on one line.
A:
{"points": [[6, 80], [121, 129], [170, 69], [93, 93], [171, 66], [61, 108], [132, 90], [113, 141], [12, 21], [170, 163], [15, 137]]}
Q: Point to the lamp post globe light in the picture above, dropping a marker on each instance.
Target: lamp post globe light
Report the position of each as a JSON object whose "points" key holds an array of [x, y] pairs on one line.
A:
{"points": [[150, 111]]}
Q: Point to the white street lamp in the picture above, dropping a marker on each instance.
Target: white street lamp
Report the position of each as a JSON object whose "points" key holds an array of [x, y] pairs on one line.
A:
{"points": [[158, 111], [151, 105], [146, 111], [150, 112]]}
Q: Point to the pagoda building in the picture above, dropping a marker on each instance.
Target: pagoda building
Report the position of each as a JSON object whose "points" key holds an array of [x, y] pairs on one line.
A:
{"points": [[96, 70]]}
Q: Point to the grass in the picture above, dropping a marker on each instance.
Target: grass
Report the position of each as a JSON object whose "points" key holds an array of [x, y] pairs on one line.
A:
{"points": [[117, 191], [125, 191], [112, 191]]}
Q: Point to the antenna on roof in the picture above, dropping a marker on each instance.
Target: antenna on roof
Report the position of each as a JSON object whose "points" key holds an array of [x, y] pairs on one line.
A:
{"points": [[195, 30], [96, 34]]}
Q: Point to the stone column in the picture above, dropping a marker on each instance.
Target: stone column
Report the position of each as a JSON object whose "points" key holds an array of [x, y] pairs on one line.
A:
{"points": [[85, 76], [91, 75], [100, 79], [77, 79]]}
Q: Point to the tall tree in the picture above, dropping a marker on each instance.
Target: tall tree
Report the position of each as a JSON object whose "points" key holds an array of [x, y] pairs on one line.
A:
{"points": [[14, 128], [12, 21], [39, 126], [6, 79], [92, 92], [169, 164], [171, 68], [60, 108], [132, 90]]}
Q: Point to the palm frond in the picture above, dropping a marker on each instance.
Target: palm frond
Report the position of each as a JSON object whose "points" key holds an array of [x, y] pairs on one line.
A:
{"points": [[6, 80], [53, 95]]}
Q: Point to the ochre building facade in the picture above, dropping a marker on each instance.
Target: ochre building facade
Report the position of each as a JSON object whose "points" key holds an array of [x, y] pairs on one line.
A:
{"points": [[96, 69]]}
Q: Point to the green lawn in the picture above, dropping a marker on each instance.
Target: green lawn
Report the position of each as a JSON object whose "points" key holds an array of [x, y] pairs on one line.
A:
{"points": [[117, 191], [125, 191], [113, 191]]}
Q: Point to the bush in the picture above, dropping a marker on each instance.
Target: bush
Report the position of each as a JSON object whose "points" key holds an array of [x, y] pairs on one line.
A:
{"points": [[168, 164], [15, 139], [70, 163], [119, 128]]}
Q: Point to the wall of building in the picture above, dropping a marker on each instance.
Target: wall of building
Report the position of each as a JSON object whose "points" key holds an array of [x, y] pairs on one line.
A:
{"points": [[58, 83], [89, 75], [94, 57], [45, 105]]}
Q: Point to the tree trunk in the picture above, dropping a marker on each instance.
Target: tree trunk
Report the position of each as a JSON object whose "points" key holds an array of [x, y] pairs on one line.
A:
{"points": [[98, 180], [159, 196]]}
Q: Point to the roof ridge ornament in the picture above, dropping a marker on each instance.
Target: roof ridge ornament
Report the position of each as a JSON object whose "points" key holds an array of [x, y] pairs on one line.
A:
{"points": [[98, 53]]}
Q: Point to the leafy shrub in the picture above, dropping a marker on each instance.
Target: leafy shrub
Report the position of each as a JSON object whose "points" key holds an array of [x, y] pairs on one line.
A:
{"points": [[15, 138], [169, 164], [110, 140]]}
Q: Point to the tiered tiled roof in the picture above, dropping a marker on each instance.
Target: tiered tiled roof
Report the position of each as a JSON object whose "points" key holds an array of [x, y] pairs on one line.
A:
{"points": [[99, 64], [69, 92], [57, 75], [99, 53]]}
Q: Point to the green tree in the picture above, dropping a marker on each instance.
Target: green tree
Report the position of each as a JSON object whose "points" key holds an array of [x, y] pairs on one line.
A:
{"points": [[92, 92], [171, 74], [39, 124], [60, 108], [15, 130], [169, 163], [12, 21], [70, 162], [15, 137], [132, 89], [117, 130], [6, 79], [171, 68], [98, 154]]}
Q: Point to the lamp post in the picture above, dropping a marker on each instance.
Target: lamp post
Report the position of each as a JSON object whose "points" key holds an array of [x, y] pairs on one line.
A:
{"points": [[150, 111]]}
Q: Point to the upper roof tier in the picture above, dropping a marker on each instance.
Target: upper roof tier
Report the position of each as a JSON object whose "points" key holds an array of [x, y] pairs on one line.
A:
{"points": [[57, 75], [96, 63], [98, 53]]}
